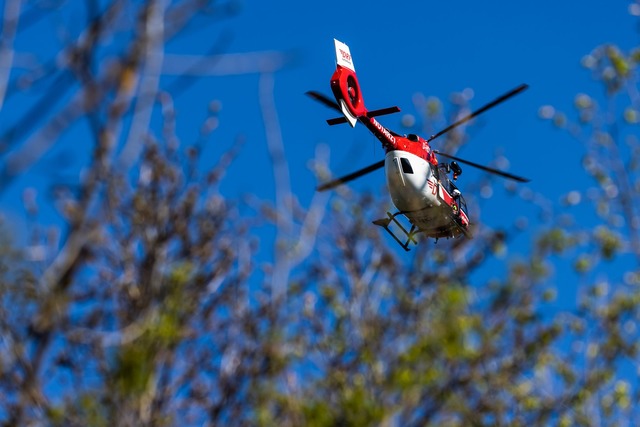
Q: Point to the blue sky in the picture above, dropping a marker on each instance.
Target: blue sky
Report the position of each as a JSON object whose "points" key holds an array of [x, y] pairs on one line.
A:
{"points": [[400, 49], [434, 48]]}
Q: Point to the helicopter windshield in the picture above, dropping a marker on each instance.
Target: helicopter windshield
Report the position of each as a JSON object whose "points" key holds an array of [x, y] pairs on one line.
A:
{"points": [[443, 170]]}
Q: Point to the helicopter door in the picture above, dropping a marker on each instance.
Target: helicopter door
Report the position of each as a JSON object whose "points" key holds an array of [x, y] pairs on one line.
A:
{"points": [[396, 163]]}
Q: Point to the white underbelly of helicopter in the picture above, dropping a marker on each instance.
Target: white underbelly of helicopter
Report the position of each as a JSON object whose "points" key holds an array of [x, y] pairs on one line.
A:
{"points": [[411, 183]]}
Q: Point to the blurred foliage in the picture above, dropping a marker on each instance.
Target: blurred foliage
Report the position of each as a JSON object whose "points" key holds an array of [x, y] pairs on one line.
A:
{"points": [[147, 306]]}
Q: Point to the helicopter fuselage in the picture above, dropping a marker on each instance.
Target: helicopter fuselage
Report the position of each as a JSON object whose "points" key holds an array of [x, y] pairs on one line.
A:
{"points": [[422, 192]]}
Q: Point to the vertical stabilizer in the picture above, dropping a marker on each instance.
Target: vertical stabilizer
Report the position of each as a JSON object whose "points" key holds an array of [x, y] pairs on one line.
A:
{"points": [[345, 84], [343, 56]]}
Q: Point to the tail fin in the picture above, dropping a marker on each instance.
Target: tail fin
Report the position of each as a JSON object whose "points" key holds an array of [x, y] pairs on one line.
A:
{"points": [[345, 86], [343, 56]]}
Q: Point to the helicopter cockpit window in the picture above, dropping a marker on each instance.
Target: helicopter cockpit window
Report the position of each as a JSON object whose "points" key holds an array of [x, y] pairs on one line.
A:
{"points": [[443, 170], [406, 166]]}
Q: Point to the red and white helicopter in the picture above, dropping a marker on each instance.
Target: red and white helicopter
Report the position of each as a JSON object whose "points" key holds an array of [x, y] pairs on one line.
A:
{"points": [[419, 185]]}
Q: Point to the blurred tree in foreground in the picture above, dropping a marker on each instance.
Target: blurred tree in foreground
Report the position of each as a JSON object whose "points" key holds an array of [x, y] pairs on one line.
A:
{"points": [[145, 306]]}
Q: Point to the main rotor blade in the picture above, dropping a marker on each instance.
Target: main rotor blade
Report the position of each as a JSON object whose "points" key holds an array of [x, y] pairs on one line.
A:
{"points": [[492, 104], [324, 99], [484, 168], [339, 181]]}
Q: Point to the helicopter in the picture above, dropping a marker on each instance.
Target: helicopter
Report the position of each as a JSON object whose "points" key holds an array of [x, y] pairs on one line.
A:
{"points": [[419, 185]]}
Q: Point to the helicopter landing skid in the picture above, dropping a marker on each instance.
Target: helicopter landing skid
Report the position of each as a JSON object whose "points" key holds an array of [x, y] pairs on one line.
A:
{"points": [[384, 223]]}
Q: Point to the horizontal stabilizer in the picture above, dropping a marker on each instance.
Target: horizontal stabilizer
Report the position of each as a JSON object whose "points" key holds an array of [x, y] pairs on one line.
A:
{"points": [[373, 113]]}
